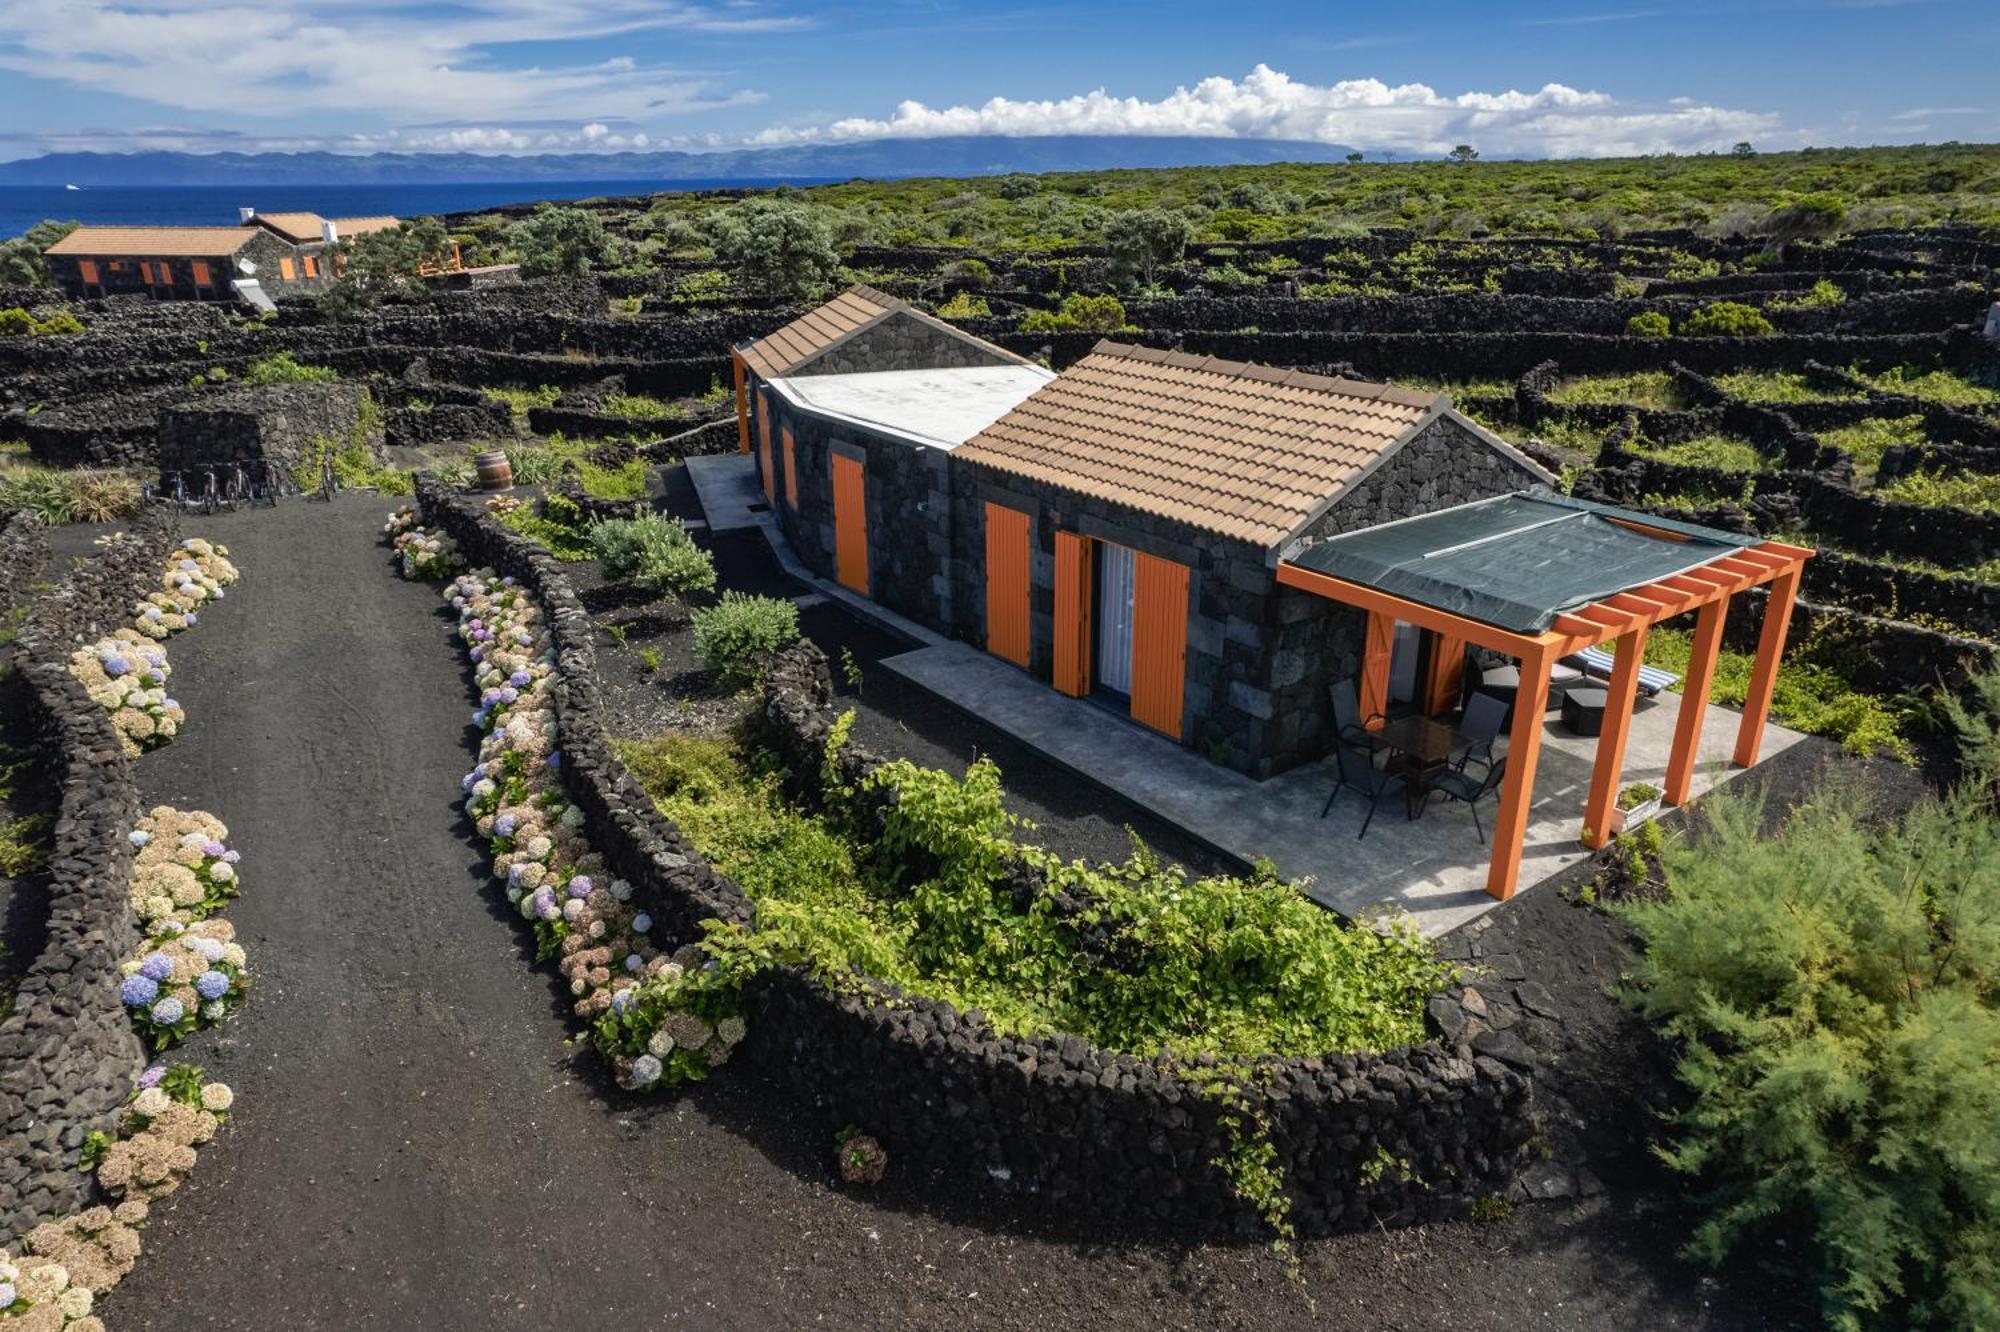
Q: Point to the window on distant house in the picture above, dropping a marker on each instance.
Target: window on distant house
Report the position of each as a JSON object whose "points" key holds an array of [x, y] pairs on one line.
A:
{"points": [[88, 269], [286, 269], [163, 273], [312, 266], [146, 272], [201, 278]]}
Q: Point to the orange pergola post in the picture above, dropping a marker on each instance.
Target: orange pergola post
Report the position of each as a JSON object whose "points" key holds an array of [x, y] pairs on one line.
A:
{"points": [[1764, 675], [742, 403], [1694, 699], [1381, 645], [1619, 696], [1517, 790]]}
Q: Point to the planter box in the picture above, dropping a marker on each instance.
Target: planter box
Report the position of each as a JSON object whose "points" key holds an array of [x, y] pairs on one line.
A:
{"points": [[1621, 819]]}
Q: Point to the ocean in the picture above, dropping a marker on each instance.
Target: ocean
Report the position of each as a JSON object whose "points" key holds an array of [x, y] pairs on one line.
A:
{"points": [[21, 206]]}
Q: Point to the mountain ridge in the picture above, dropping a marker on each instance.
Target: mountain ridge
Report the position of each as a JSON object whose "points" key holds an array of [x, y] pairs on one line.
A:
{"points": [[969, 155]]}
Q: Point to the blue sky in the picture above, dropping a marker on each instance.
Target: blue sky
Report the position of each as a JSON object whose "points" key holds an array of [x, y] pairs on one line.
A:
{"points": [[541, 75]]}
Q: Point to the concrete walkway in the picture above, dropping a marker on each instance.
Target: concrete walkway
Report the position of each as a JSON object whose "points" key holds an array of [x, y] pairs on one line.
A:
{"points": [[1434, 868]]}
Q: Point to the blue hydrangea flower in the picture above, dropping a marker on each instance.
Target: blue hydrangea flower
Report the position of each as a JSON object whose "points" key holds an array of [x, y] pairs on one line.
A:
{"points": [[642, 922], [211, 984], [115, 665], [231, 857], [621, 1001], [157, 966], [555, 758], [213, 849], [504, 826], [168, 1011], [139, 837], [633, 962], [190, 617], [150, 1078], [138, 991], [580, 886], [519, 679], [646, 1070]]}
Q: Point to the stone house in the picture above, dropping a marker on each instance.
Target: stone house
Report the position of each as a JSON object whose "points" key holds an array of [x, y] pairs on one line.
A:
{"points": [[285, 254], [1115, 530]]}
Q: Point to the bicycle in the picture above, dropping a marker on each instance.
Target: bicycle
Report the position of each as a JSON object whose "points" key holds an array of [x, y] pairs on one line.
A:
{"points": [[238, 489], [211, 497], [329, 484], [177, 491]]}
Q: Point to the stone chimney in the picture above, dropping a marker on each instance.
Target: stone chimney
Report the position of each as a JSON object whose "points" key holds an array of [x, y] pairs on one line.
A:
{"points": [[244, 215], [329, 232]]}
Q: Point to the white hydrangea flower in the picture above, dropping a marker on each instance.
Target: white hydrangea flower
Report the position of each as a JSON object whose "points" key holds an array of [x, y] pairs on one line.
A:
{"points": [[217, 1097], [152, 1102]]}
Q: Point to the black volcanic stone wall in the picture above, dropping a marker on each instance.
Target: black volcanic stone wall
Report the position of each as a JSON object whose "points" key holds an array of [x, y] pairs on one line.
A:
{"points": [[68, 1054], [901, 342], [277, 423], [1131, 1139]]}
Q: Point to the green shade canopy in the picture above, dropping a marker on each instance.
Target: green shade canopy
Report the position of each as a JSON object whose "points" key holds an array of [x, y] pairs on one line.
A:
{"points": [[1517, 561]]}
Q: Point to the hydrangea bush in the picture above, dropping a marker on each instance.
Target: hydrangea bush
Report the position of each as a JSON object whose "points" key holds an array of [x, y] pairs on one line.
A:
{"points": [[186, 977], [66, 1266], [581, 915], [182, 867], [421, 554], [126, 674], [196, 575]]}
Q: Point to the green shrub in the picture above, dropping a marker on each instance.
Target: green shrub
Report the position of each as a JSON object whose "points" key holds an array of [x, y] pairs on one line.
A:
{"points": [[637, 406], [1727, 319], [1944, 386], [1810, 695], [1726, 452], [282, 369], [735, 631], [654, 550], [965, 305], [625, 481], [1781, 386], [1079, 314], [559, 528], [1642, 388], [520, 399], [1825, 293], [58, 495], [1965, 490], [1831, 991], [17, 322], [1649, 324]]}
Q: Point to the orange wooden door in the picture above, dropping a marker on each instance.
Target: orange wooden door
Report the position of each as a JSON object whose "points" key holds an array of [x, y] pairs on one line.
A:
{"points": [[88, 269], [850, 524], [764, 447], [1072, 657], [1159, 643], [791, 469], [1007, 583]]}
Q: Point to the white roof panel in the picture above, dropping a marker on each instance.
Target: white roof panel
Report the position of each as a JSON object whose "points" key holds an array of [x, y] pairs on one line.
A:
{"points": [[942, 408]]}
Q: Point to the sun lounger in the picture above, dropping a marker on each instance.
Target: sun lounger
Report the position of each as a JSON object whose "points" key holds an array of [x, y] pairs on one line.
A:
{"points": [[1598, 662]]}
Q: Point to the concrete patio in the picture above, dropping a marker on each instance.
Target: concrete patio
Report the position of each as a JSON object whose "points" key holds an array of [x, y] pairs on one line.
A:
{"points": [[1434, 868]]}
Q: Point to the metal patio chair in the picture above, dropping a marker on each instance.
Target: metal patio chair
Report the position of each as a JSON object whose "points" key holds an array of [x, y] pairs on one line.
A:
{"points": [[1355, 770], [1470, 790]]}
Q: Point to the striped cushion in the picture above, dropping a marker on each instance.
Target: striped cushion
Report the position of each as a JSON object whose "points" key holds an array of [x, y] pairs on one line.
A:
{"points": [[1652, 679]]}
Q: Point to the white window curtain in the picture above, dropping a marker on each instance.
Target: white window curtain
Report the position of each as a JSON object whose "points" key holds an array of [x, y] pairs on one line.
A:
{"points": [[1116, 568]]}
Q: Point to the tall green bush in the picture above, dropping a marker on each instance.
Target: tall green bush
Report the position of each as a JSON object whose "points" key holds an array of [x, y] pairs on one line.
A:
{"points": [[1834, 994], [655, 550], [1727, 319], [733, 633]]}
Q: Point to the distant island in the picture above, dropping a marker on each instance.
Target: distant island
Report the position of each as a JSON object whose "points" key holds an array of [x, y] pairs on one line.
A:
{"points": [[972, 155]]}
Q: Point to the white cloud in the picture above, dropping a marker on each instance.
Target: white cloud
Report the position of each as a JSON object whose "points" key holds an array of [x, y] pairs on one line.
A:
{"points": [[286, 57], [1554, 120]]}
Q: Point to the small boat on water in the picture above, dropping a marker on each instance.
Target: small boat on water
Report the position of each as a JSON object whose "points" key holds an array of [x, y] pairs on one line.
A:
{"points": [[72, 187]]}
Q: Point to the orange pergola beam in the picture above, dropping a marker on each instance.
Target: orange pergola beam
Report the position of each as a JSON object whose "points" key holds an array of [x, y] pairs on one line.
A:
{"points": [[742, 402], [1619, 698], [1764, 674], [1517, 788], [1695, 691]]}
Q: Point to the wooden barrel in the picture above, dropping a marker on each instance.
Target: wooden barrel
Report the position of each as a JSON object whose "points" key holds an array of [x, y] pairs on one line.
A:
{"points": [[495, 472]]}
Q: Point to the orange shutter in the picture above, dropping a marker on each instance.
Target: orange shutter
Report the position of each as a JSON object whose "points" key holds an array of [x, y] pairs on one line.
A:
{"points": [[764, 446], [742, 403], [1072, 673], [146, 271], [312, 266], [286, 269], [88, 269], [201, 278], [791, 468], [850, 525], [1159, 643], [1007, 583]]}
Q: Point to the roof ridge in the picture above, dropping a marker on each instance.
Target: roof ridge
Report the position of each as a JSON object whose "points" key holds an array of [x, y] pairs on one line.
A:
{"points": [[1260, 373]]}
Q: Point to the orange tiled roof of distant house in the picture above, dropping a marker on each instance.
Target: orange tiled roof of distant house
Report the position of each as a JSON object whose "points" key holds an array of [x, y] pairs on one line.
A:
{"points": [[1245, 451], [307, 228], [145, 242]]}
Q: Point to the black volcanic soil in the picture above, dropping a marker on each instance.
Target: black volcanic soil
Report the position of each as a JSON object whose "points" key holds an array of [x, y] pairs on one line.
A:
{"points": [[417, 1147]]}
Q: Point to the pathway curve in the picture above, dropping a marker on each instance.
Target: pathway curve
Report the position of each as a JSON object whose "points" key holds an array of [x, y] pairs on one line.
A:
{"points": [[415, 1148]]}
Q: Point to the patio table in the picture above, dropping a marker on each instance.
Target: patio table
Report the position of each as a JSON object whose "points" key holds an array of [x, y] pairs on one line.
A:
{"points": [[1425, 746]]}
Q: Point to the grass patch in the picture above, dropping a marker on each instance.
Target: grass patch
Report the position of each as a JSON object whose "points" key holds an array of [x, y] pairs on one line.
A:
{"points": [[1459, 388], [638, 407], [1230, 966], [1644, 388], [1810, 695], [283, 369], [1867, 440], [559, 529], [1939, 490], [58, 495], [520, 399], [1942, 386], [625, 481], [1730, 453], [1781, 386]]}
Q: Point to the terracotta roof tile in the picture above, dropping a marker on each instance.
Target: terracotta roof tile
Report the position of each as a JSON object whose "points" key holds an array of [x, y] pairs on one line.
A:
{"points": [[787, 350], [1247, 451], [156, 242]]}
